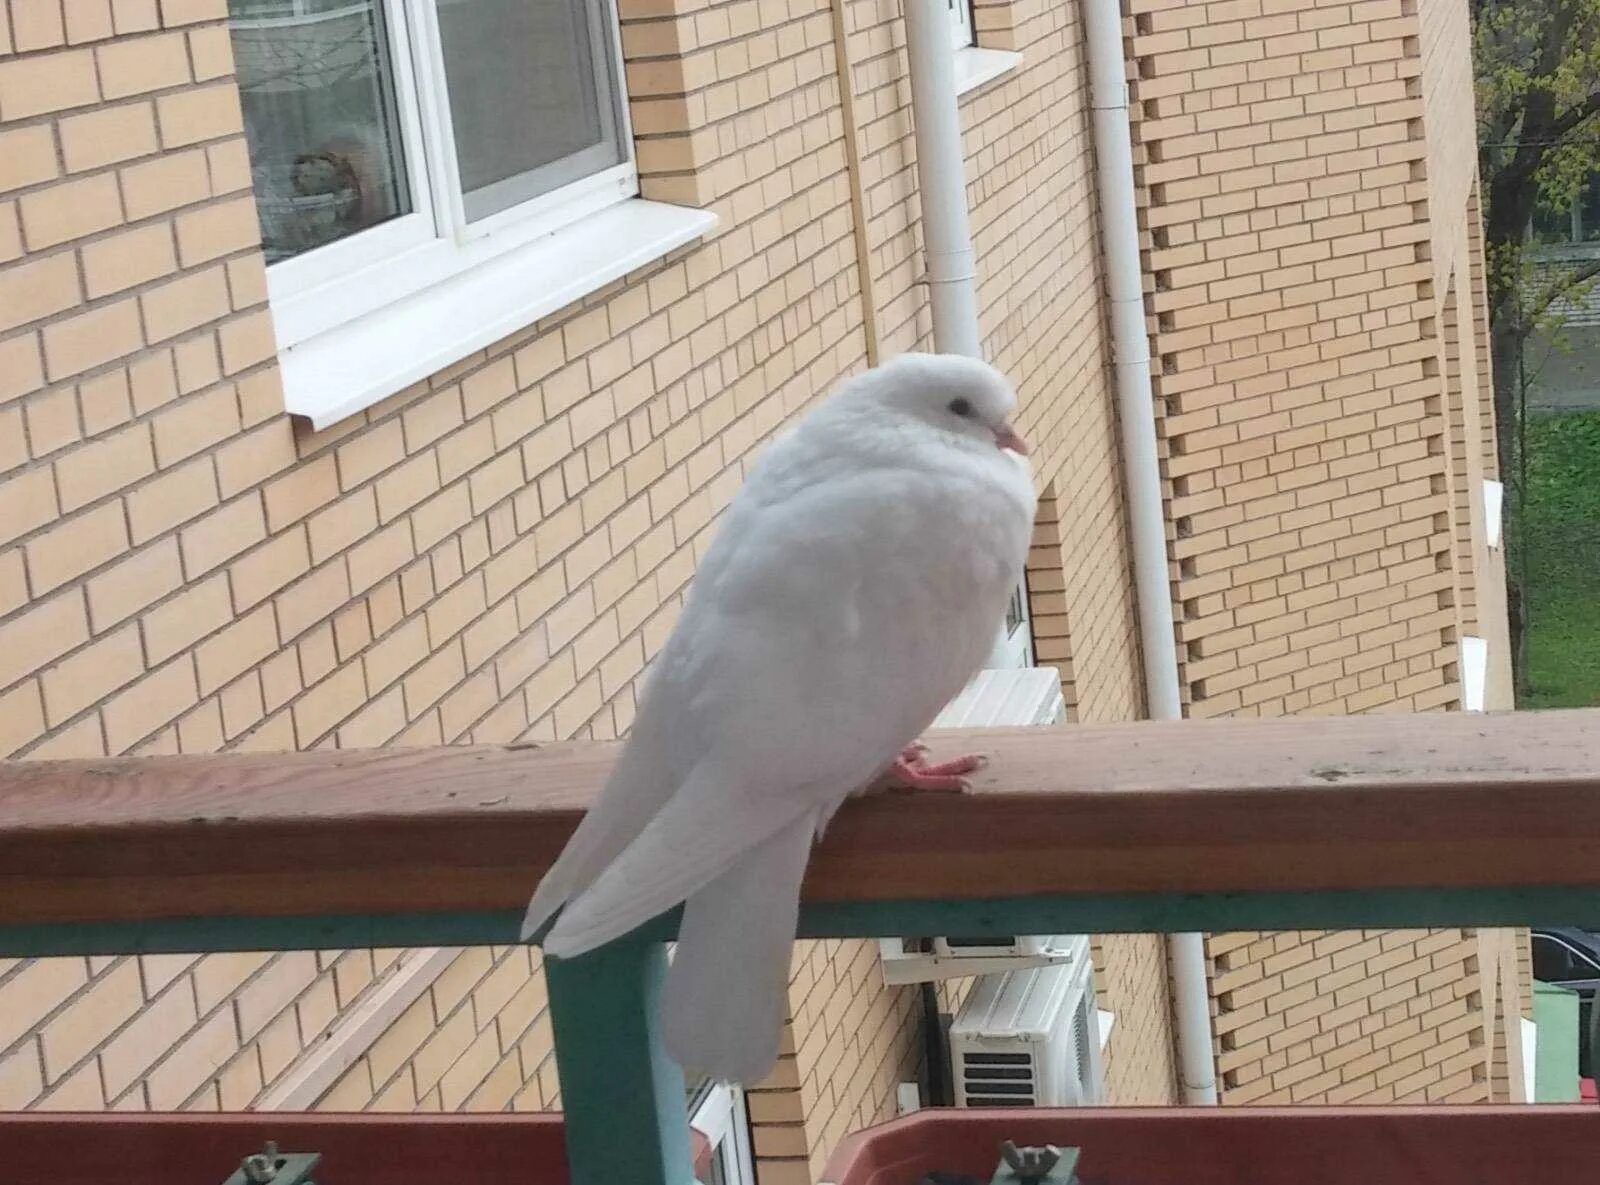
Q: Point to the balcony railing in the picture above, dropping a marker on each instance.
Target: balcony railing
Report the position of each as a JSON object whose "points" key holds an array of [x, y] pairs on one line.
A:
{"points": [[1377, 821]]}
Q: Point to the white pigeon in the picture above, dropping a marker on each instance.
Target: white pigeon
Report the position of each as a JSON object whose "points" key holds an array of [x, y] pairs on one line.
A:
{"points": [[855, 584]]}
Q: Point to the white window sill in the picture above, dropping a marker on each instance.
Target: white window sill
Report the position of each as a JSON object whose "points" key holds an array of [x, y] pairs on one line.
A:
{"points": [[344, 370], [976, 66]]}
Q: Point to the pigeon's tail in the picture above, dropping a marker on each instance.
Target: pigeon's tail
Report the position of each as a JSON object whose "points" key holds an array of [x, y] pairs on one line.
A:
{"points": [[726, 996]]}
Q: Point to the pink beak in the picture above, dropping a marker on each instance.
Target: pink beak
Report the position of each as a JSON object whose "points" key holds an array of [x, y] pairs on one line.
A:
{"points": [[1006, 437]]}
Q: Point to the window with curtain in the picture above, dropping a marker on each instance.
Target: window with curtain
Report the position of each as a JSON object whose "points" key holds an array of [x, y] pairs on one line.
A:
{"points": [[395, 142]]}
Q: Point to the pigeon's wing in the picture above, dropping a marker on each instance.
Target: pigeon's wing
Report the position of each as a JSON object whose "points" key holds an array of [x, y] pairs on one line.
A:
{"points": [[666, 740], [815, 648], [645, 776], [707, 826]]}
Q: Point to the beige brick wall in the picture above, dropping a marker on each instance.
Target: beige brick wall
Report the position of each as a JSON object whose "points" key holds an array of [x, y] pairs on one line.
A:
{"points": [[856, 1039], [1132, 982], [851, 1040], [1506, 1001], [1295, 339], [477, 1038], [1047, 598], [1350, 1016], [1444, 42], [134, 339], [1307, 169], [167, 1032], [493, 554]]}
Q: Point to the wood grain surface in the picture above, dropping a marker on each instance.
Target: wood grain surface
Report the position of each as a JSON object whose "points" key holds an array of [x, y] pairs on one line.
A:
{"points": [[1435, 801]]}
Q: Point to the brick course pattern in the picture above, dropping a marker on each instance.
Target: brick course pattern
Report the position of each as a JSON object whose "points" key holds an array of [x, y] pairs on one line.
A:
{"points": [[1296, 334], [495, 553], [1307, 173], [477, 1038], [1351, 1016]]}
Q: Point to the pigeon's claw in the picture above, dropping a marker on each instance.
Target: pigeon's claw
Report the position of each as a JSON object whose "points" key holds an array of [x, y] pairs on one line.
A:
{"points": [[912, 771]]}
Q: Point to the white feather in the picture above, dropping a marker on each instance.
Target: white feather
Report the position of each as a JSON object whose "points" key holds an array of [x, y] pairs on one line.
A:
{"points": [[733, 949], [704, 829], [641, 782], [854, 586]]}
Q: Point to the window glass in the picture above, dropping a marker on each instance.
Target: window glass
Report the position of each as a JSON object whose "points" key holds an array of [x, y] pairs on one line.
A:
{"points": [[1016, 613], [317, 85], [533, 100]]}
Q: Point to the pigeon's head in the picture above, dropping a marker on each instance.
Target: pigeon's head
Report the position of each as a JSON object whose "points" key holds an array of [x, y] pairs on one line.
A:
{"points": [[952, 393]]}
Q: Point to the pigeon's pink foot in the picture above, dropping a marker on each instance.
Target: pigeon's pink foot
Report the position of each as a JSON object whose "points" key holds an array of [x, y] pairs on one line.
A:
{"points": [[912, 771]]}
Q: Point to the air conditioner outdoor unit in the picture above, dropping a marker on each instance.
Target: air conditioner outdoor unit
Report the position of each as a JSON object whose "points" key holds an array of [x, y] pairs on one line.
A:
{"points": [[1002, 698], [1015, 946], [993, 699], [927, 960], [1030, 1038]]}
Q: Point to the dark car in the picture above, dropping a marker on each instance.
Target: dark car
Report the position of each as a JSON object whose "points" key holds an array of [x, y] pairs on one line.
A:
{"points": [[1571, 957]]}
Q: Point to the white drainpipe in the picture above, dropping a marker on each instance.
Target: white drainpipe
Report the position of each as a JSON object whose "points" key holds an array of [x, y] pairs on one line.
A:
{"points": [[941, 179], [952, 273], [1142, 480]]}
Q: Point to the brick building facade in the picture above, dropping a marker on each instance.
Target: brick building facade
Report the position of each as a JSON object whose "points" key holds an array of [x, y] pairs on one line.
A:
{"points": [[493, 552]]}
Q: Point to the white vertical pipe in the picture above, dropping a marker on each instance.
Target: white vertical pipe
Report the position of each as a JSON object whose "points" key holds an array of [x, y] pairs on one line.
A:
{"points": [[1119, 229], [941, 179]]}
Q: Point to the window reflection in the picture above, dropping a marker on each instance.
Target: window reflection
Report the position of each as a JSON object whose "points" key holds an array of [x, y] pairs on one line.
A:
{"points": [[317, 84]]}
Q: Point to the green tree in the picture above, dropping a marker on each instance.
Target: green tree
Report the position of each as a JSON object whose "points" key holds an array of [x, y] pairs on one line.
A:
{"points": [[1538, 83]]}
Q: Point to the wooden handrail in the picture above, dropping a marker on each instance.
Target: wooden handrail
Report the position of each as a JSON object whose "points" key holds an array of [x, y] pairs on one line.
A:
{"points": [[1399, 820], [1304, 805]]}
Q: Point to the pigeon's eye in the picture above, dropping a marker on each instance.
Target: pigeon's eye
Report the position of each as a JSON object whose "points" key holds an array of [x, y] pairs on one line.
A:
{"points": [[961, 407]]}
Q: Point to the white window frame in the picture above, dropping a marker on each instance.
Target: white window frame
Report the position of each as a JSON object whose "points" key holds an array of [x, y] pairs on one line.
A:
{"points": [[722, 1119], [1013, 647], [340, 282], [961, 28], [976, 66]]}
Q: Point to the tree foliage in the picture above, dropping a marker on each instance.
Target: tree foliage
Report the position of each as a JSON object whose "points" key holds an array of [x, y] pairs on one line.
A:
{"points": [[1538, 82], [1537, 66]]}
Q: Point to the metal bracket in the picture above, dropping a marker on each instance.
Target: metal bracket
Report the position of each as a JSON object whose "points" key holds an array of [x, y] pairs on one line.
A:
{"points": [[1044, 1165], [271, 1167]]}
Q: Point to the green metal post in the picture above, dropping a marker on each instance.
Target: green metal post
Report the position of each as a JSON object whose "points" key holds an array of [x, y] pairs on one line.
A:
{"points": [[623, 1098]]}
